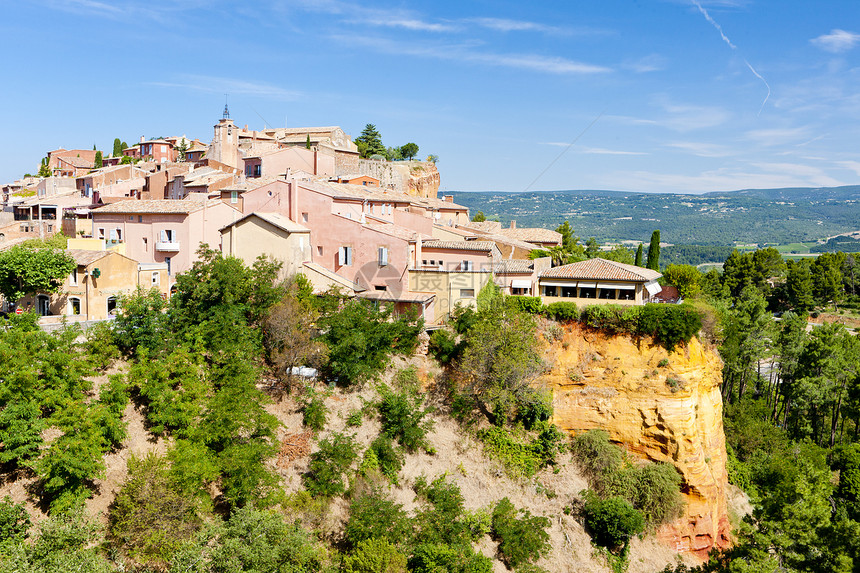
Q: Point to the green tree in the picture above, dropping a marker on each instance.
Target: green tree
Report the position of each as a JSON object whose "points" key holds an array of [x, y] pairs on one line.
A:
{"points": [[44, 169], [25, 269], [638, 260], [592, 248], [409, 150], [117, 148], [620, 254], [372, 141], [799, 285], [479, 217], [654, 252], [375, 556], [99, 161], [308, 142], [433, 159], [141, 325], [181, 149], [827, 278], [685, 278]]}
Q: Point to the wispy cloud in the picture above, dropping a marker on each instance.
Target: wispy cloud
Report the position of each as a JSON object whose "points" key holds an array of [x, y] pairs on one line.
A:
{"points": [[232, 86], [506, 25], [467, 52], [702, 149], [592, 150], [684, 117], [651, 63], [413, 24], [778, 136], [123, 9], [837, 41]]}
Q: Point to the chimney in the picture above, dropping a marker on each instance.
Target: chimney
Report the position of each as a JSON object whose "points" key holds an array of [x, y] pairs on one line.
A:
{"points": [[513, 224], [448, 198], [142, 139]]}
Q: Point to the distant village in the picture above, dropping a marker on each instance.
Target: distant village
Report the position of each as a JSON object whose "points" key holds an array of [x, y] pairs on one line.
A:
{"points": [[374, 229]]}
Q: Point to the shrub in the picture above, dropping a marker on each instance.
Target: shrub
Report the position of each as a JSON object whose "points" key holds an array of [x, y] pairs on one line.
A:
{"points": [[438, 558], [521, 540], [522, 458], [150, 517], [527, 304], [375, 556], [562, 311], [101, 346], [441, 518], [598, 458], [656, 492], [327, 466], [534, 406], [444, 346], [389, 458], [14, 520], [670, 324], [314, 412], [612, 522], [375, 516], [403, 417], [355, 418]]}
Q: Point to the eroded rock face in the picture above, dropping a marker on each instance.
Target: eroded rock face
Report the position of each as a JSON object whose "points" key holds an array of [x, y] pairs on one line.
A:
{"points": [[660, 406], [417, 178]]}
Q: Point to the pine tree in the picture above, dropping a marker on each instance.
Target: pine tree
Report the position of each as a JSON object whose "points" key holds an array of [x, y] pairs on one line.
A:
{"points": [[654, 251], [638, 261], [371, 138]]}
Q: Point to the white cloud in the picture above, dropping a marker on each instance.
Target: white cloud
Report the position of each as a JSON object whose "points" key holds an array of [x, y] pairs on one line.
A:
{"points": [[651, 63], [685, 117], [212, 84], [837, 41], [778, 136], [505, 25], [412, 24], [602, 151], [702, 149]]}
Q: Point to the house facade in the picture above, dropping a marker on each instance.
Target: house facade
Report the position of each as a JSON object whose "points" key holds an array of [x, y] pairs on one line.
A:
{"points": [[598, 281]]}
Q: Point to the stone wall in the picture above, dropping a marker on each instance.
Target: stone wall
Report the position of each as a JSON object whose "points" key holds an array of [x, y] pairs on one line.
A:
{"points": [[418, 178]]}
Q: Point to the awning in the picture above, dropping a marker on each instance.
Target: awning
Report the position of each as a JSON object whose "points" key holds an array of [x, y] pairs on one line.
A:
{"points": [[558, 283], [521, 283], [653, 288], [585, 284], [621, 286]]}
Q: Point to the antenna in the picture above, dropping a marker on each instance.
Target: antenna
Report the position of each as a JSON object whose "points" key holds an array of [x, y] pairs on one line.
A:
{"points": [[226, 114]]}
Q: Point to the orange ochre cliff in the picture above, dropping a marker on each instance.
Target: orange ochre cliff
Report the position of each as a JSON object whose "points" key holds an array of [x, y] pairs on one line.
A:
{"points": [[661, 406]]}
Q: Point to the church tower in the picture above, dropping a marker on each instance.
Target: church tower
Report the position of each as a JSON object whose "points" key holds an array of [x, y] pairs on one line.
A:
{"points": [[225, 144]]}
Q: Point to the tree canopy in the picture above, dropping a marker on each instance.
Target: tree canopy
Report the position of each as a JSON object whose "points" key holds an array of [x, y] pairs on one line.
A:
{"points": [[27, 269]]}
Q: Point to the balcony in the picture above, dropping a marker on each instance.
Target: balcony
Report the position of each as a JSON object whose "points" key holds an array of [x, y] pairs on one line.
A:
{"points": [[167, 246]]}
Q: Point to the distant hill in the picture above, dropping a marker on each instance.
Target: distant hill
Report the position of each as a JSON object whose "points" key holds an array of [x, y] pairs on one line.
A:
{"points": [[720, 218]]}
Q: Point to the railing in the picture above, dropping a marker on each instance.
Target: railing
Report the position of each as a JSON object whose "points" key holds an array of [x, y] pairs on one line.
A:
{"points": [[167, 246]]}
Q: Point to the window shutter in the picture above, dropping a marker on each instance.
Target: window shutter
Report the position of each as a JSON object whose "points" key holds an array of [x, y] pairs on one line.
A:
{"points": [[383, 256], [349, 256], [341, 256], [164, 236]]}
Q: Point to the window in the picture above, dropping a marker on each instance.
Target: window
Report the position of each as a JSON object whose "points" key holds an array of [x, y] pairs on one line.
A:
{"points": [[379, 287], [145, 245], [75, 306], [467, 293], [167, 262], [167, 236], [607, 293], [43, 305], [131, 217], [319, 250], [568, 292], [257, 170], [587, 292], [155, 278], [101, 234], [113, 236], [304, 217], [111, 305], [344, 256], [466, 266], [383, 256], [549, 291], [73, 277], [234, 196], [140, 218], [50, 228], [119, 235]]}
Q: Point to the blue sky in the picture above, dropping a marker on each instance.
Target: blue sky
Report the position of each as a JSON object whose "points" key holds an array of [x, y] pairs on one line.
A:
{"points": [[647, 95]]}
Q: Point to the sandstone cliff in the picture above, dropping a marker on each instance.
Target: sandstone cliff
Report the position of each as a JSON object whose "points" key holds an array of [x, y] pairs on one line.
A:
{"points": [[418, 178], [661, 406]]}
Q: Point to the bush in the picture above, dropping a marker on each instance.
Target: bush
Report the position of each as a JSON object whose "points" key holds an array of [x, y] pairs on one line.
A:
{"points": [[14, 521], [612, 317], [598, 458], [444, 346], [441, 520], [612, 522], [314, 413], [670, 324], [527, 304], [534, 406], [403, 417], [521, 540], [375, 516], [561, 311], [520, 457], [150, 516], [656, 492], [101, 346], [389, 458], [375, 556], [439, 558], [327, 466]]}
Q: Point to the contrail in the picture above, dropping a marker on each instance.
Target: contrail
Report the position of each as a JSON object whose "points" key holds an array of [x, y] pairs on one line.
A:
{"points": [[733, 47], [563, 151]]}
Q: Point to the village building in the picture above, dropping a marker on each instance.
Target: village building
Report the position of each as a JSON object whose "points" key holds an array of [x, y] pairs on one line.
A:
{"points": [[598, 281], [164, 231], [270, 235]]}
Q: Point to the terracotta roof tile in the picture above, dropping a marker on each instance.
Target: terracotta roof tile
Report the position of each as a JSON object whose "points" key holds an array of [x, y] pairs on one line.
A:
{"points": [[485, 246], [601, 269], [155, 206]]}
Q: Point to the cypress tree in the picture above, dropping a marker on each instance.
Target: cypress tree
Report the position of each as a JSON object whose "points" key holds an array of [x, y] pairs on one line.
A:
{"points": [[654, 251], [638, 261], [308, 142], [99, 162], [117, 148]]}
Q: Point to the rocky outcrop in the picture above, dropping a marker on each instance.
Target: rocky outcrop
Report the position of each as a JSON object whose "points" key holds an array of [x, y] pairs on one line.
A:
{"points": [[418, 178], [660, 406]]}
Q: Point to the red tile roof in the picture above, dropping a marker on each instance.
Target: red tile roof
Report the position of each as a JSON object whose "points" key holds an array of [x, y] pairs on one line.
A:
{"points": [[601, 269]]}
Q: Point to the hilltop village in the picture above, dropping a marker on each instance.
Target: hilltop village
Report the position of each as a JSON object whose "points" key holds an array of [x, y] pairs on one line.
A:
{"points": [[373, 228]]}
